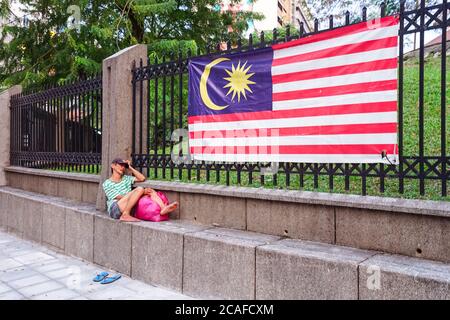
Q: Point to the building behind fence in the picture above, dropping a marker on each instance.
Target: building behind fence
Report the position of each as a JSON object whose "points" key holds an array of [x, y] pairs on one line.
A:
{"points": [[59, 128]]}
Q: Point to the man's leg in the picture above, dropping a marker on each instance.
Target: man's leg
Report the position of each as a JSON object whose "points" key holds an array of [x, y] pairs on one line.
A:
{"points": [[128, 202], [155, 197], [169, 208], [165, 209]]}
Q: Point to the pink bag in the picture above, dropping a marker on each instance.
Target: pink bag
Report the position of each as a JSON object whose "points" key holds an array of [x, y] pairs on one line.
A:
{"points": [[147, 209]]}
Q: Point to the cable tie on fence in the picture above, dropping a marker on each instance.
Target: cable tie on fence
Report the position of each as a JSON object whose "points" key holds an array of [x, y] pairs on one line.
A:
{"points": [[384, 156]]}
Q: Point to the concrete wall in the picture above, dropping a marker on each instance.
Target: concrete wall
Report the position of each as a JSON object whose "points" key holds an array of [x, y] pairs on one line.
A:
{"points": [[74, 186], [219, 263], [415, 228], [408, 227]]}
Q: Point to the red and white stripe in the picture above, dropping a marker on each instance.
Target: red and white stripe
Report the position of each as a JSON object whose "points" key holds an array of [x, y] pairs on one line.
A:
{"points": [[334, 100]]}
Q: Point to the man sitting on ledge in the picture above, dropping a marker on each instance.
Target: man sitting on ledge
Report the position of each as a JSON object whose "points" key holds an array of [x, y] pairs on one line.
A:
{"points": [[121, 199]]}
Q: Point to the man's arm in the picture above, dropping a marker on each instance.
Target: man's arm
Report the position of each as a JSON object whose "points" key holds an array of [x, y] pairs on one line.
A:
{"points": [[139, 176]]}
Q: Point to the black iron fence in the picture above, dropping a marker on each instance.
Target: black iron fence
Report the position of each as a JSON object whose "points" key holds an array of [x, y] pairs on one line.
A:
{"points": [[59, 127], [160, 107]]}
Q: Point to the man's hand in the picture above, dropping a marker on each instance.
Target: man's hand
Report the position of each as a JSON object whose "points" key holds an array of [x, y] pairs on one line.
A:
{"points": [[139, 176], [149, 191]]}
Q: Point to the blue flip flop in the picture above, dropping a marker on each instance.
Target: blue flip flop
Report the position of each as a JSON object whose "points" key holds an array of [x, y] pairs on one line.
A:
{"points": [[111, 279], [99, 277]]}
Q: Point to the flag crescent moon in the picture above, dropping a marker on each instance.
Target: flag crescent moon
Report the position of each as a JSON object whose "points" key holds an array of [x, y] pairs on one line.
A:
{"points": [[203, 85]]}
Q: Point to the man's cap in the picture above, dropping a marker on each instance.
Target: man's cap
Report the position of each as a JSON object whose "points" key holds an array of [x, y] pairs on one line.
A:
{"points": [[120, 161]]}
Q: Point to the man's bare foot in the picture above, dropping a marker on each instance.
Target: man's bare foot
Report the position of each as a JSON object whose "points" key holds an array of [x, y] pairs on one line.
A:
{"points": [[169, 208], [128, 218]]}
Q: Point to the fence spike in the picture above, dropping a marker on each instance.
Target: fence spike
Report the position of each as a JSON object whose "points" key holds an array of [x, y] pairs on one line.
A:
{"points": [[383, 9]]}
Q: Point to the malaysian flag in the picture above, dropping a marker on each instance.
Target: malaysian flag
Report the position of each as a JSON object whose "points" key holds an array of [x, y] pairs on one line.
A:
{"points": [[326, 98]]}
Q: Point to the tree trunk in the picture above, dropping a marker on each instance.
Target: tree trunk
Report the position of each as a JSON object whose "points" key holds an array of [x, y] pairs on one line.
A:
{"points": [[137, 29]]}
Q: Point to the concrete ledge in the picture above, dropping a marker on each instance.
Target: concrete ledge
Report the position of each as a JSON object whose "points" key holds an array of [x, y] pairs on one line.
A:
{"points": [[294, 220], [157, 252], [55, 174], [112, 244], [420, 207], [70, 189], [293, 269], [79, 232], [89, 192], [220, 263], [14, 219], [417, 236], [4, 209], [213, 210], [403, 278], [415, 228], [74, 186], [32, 220], [53, 225]]}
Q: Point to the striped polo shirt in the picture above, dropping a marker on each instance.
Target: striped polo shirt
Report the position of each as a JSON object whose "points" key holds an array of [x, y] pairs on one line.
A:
{"points": [[113, 189]]}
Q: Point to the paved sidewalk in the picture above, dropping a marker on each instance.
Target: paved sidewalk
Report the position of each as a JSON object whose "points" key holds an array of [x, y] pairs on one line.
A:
{"points": [[31, 271]]}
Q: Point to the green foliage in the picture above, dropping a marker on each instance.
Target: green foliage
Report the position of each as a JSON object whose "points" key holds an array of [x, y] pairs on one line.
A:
{"points": [[47, 51], [281, 34]]}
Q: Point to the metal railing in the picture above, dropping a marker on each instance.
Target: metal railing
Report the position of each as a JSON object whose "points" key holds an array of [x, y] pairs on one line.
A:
{"points": [[58, 127], [160, 100]]}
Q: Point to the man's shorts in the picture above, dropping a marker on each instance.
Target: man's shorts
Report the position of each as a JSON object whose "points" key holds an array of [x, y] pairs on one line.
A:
{"points": [[114, 210]]}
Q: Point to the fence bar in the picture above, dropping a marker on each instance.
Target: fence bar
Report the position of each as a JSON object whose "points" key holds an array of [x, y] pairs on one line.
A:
{"points": [[443, 99], [180, 110], [141, 110], [155, 123], [133, 82], [421, 97], [172, 114], [400, 98], [148, 106], [164, 123]]}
